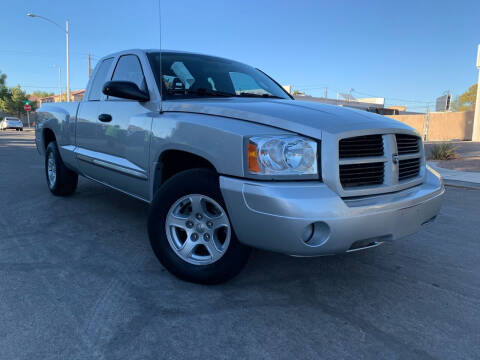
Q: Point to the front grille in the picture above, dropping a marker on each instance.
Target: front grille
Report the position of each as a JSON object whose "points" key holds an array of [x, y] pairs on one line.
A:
{"points": [[373, 164], [408, 168], [361, 146], [407, 144], [364, 174]]}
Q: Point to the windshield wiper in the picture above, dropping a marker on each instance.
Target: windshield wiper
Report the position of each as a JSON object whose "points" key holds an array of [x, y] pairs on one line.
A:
{"points": [[201, 92], [270, 96], [216, 93]]}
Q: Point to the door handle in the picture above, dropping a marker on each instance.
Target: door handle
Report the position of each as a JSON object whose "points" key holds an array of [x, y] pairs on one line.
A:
{"points": [[105, 117]]}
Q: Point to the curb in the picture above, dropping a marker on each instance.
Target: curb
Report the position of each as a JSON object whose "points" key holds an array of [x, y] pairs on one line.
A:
{"points": [[456, 178], [461, 184]]}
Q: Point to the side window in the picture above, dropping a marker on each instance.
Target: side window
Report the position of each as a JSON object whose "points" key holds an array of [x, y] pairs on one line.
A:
{"points": [[99, 80], [129, 69]]}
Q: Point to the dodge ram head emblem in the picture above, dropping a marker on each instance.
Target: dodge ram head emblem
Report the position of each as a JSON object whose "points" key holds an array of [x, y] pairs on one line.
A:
{"points": [[395, 158]]}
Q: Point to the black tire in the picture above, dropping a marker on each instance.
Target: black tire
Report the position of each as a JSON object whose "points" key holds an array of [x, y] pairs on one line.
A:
{"points": [[195, 181], [66, 180], [17, 129], [21, 129]]}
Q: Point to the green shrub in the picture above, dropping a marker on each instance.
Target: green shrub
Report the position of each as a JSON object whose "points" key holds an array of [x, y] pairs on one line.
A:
{"points": [[444, 151]]}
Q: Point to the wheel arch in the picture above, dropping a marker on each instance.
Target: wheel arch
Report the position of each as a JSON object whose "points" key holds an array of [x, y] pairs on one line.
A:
{"points": [[172, 161], [48, 135]]}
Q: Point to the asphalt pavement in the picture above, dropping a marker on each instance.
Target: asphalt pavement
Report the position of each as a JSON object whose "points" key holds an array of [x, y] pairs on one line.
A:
{"points": [[78, 280]]}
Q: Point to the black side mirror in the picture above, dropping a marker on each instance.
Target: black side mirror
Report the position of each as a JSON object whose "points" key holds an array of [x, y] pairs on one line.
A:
{"points": [[125, 90]]}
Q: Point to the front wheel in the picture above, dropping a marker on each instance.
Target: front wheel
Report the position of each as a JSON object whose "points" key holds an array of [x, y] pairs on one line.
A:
{"points": [[60, 180], [190, 231]]}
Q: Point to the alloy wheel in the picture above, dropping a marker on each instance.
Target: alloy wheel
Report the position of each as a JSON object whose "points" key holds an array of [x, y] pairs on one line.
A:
{"points": [[51, 169], [198, 229]]}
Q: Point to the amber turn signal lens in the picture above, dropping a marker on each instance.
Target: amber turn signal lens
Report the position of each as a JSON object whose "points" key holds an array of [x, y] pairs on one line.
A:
{"points": [[253, 158]]}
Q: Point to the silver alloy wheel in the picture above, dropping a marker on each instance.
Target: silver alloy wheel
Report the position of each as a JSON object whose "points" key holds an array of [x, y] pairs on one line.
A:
{"points": [[51, 169], [198, 229]]}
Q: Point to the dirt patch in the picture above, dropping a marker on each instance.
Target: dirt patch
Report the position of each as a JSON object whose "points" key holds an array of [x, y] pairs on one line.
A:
{"points": [[471, 164]]}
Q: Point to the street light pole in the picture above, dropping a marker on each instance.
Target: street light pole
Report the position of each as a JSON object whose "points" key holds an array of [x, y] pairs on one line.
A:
{"points": [[65, 30]]}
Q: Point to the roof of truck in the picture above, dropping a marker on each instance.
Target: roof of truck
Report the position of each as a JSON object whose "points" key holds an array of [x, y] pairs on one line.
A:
{"points": [[129, 51]]}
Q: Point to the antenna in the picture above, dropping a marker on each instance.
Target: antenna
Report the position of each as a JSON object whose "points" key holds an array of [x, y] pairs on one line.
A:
{"points": [[160, 74], [89, 65]]}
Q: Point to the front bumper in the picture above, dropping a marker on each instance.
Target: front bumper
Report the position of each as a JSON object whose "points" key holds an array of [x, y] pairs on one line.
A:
{"points": [[309, 219]]}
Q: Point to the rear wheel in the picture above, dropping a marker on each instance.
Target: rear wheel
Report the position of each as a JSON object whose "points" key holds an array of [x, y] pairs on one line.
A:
{"points": [[190, 231], [60, 180]]}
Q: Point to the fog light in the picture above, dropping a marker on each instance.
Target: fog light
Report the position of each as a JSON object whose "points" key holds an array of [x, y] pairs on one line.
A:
{"points": [[316, 234], [307, 233]]}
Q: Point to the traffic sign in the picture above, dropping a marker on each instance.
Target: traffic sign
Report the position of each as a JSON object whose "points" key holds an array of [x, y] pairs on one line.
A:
{"points": [[27, 107]]}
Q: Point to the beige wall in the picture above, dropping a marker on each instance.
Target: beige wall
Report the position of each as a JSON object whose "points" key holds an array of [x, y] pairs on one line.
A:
{"points": [[74, 96], [443, 125]]}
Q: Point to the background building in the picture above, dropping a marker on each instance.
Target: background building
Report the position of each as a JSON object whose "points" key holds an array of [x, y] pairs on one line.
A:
{"points": [[76, 95]]}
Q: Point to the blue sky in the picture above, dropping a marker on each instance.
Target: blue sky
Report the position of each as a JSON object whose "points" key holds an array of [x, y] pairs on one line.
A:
{"points": [[400, 50]]}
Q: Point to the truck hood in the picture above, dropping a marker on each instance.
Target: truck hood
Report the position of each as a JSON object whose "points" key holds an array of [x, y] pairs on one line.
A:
{"points": [[302, 117]]}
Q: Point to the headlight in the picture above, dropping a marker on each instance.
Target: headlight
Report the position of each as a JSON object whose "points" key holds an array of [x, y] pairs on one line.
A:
{"points": [[282, 155]]}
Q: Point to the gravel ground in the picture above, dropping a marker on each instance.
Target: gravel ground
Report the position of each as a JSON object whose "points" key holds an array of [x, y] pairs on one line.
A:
{"points": [[469, 153]]}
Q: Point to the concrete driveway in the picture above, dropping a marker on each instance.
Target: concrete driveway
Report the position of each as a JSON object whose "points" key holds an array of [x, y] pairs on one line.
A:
{"points": [[78, 281]]}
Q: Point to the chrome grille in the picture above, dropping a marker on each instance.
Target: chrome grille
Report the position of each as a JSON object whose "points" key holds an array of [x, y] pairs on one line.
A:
{"points": [[361, 146], [363, 174], [408, 168], [407, 144]]}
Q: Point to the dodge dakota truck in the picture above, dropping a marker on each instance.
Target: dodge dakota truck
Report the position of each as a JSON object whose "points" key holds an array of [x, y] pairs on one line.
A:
{"points": [[228, 161]]}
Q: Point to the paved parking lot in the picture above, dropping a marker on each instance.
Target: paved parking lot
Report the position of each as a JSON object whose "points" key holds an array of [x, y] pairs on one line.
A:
{"points": [[78, 281]]}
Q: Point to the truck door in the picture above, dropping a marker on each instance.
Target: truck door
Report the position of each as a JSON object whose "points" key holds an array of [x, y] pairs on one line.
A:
{"points": [[123, 136], [87, 145]]}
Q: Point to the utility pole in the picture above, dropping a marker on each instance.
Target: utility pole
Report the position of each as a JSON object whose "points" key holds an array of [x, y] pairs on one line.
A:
{"points": [[427, 124], [89, 65], [350, 94], [67, 36], [476, 119], [59, 81], [326, 92]]}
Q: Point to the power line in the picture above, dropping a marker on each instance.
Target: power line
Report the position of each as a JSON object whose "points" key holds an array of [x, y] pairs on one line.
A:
{"points": [[50, 55], [322, 87], [397, 99], [40, 87]]}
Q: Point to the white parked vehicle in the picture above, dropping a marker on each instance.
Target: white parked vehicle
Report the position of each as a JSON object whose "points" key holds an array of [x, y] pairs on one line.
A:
{"points": [[9, 122]]}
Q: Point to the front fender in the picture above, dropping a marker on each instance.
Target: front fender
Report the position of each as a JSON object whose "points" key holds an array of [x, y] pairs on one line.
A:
{"points": [[218, 140]]}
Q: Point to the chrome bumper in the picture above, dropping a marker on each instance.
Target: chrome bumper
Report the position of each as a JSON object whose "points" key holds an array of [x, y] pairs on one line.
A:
{"points": [[309, 219]]}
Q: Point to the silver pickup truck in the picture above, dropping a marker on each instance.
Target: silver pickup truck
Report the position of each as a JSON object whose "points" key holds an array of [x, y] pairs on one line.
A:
{"points": [[228, 160]]}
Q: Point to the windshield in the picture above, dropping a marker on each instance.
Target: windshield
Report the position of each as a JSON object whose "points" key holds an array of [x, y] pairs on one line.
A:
{"points": [[193, 76]]}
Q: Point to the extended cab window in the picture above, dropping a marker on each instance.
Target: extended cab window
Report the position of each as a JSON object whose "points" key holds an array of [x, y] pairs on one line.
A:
{"points": [[99, 80], [129, 69]]}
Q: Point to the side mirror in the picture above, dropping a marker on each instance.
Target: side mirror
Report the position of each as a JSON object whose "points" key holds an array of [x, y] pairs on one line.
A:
{"points": [[125, 90]]}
